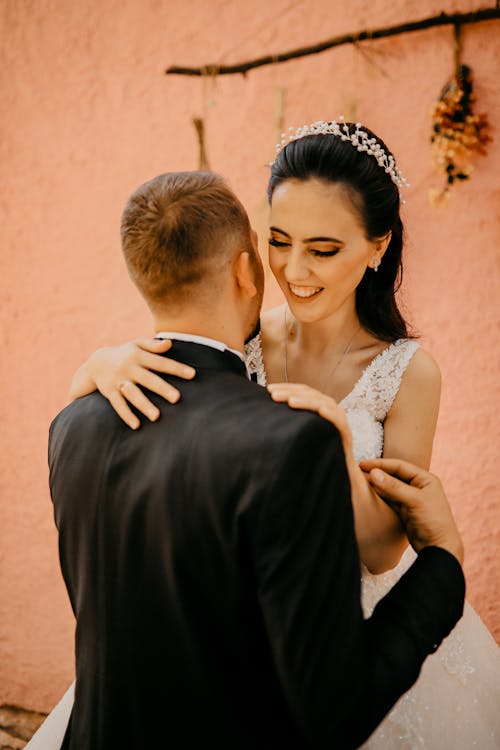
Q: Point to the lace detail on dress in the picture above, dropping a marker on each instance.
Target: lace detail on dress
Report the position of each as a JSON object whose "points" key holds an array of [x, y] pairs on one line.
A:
{"points": [[255, 360], [371, 398], [378, 385], [369, 401]]}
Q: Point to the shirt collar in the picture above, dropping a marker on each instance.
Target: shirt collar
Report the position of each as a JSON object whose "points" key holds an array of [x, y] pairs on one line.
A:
{"points": [[192, 338]]}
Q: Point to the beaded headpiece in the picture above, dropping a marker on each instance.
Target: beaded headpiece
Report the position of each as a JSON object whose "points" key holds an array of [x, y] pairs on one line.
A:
{"points": [[359, 139]]}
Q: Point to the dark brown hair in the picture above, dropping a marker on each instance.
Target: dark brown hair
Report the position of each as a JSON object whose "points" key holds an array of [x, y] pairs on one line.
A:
{"points": [[178, 230]]}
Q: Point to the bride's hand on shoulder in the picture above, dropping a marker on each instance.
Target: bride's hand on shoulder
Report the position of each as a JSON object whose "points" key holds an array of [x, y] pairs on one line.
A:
{"points": [[299, 396], [379, 531], [118, 371]]}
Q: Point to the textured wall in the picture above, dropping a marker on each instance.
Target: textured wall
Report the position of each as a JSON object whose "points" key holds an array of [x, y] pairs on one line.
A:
{"points": [[87, 115]]}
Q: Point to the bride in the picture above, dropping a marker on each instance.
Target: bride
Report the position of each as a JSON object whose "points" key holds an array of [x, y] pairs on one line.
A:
{"points": [[335, 247]]}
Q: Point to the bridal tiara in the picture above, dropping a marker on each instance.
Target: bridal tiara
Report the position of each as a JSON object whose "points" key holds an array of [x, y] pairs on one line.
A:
{"points": [[359, 139]]}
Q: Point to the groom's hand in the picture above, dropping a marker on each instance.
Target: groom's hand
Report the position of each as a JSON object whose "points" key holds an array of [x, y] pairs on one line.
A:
{"points": [[419, 500]]}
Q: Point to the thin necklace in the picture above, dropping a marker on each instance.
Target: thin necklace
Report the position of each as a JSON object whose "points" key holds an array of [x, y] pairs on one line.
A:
{"points": [[335, 367]]}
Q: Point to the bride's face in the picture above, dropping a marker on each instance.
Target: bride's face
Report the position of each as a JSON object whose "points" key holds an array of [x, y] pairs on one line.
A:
{"points": [[318, 251]]}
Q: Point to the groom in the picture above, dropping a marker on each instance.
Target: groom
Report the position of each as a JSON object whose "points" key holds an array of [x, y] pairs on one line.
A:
{"points": [[210, 558]]}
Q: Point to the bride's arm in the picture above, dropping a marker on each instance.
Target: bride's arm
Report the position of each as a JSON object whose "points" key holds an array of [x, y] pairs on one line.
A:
{"points": [[409, 430], [410, 425], [118, 371], [408, 434]]}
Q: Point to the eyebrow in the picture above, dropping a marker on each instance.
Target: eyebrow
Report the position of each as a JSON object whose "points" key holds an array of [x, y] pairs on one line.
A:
{"points": [[308, 239]]}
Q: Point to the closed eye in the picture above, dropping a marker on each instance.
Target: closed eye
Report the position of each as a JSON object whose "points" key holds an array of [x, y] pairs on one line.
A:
{"points": [[324, 254], [277, 243], [317, 253]]}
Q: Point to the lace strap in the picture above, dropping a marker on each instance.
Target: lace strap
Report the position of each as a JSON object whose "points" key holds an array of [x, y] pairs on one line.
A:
{"points": [[380, 382], [255, 360]]}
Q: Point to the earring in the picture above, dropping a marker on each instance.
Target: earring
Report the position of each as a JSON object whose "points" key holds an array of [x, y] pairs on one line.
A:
{"points": [[376, 264]]}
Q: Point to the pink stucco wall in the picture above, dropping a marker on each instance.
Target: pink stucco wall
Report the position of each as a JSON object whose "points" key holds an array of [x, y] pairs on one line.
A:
{"points": [[87, 115]]}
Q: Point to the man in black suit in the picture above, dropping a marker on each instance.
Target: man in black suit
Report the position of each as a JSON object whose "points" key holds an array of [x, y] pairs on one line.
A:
{"points": [[210, 558]]}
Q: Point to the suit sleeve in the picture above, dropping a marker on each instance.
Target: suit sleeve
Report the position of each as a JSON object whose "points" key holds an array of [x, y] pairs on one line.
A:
{"points": [[340, 673]]}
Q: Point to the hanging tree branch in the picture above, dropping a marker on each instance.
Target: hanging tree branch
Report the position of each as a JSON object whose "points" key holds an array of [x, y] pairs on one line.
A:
{"points": [[443, 19]]}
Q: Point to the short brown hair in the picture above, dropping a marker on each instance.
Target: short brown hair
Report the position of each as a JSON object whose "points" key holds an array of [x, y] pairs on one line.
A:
{"points": [[177, 230]]}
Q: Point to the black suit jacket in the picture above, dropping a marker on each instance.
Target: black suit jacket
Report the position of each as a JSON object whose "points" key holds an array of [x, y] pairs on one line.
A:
{"points": [[211, 563]]}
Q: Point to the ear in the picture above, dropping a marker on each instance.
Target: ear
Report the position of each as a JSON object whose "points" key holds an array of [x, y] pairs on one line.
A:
{"points": [[379, 247], [244, 274]]}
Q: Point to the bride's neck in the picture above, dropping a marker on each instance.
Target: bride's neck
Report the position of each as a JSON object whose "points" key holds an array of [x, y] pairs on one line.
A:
{"points": [[323, 335]]}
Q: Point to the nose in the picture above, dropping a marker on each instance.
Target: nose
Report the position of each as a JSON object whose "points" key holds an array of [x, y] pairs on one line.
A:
{"points": [[296, 269]]}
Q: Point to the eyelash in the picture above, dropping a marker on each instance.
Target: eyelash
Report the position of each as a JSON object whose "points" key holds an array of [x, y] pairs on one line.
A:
{"points": [[325, 254], [317, 253]]}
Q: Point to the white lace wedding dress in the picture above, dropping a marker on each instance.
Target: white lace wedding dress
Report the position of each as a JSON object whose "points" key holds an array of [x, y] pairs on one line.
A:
{"points": [[455, 704]]}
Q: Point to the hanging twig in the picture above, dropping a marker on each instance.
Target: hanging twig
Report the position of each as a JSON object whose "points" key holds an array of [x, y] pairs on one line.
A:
{"points": [[279, 113], [370, 58], [202, 152], [443, 19], [457, 36]]}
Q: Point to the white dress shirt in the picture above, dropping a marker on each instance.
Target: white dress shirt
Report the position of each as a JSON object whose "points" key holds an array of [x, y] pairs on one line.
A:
{"points": [[191, 337]]}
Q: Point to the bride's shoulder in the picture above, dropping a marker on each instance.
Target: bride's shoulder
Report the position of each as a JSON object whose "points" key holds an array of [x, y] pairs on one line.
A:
{"points": [[272, 324], [423, 369], [421, 380]]}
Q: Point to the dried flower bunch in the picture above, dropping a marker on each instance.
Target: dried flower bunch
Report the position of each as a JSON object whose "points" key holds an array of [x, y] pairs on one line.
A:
{"points": [[458, 133]]}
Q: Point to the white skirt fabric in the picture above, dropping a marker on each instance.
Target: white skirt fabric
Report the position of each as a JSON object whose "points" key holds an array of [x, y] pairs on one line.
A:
{"points": [[50, 734], [455, 703]]}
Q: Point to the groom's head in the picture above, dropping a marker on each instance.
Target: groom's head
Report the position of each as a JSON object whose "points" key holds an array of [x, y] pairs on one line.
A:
{"points": [[187, 242]]}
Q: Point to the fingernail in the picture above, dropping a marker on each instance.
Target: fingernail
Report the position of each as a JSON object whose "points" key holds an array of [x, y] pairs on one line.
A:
{"points": [[174, 398], [135, 425], [378, 476], [190, 373], [153, 414]]}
